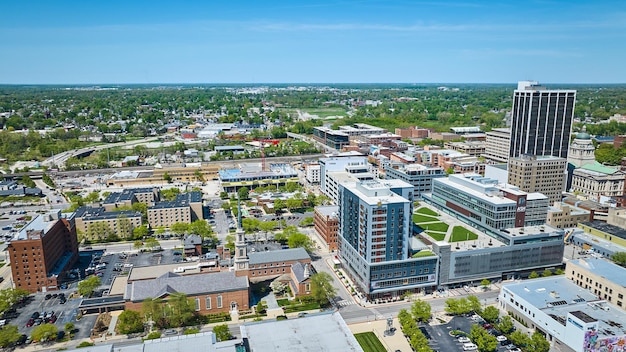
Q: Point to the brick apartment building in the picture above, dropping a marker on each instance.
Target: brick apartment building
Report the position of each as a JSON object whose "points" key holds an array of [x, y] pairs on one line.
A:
{"points": [[326, 224], [42, 251]]}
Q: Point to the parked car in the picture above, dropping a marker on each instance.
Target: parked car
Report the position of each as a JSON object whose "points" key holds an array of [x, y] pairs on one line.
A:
{"points": [[464, 339], [501, 338], [30, 322], [171, 332]]}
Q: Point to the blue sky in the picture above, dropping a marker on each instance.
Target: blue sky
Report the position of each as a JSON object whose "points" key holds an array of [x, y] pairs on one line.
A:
{"points": [[299, 41]]}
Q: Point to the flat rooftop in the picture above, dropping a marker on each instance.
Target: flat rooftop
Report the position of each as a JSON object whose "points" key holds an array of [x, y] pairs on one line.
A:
{"points": [[558, 296], [604, 268], [606, 228], [321, 332]]}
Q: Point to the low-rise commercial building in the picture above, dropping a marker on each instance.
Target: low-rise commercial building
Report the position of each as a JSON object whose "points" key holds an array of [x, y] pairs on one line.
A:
{"points": [[474, 148], [565, 216], [565, 313], [601, 277], [251, 177], [337, 139], [602, 230], [312, 172]]}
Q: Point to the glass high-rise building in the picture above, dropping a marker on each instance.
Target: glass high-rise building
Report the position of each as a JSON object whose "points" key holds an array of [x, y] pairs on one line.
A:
{"points": [[541, 121]]}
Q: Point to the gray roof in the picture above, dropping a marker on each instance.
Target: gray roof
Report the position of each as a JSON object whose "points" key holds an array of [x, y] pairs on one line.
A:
{"points": [[316, 332], [328, 210], [604, 268], [99, 213], [300, 271], [126, 194], [189, 284], [281, 255], [182, 200]]}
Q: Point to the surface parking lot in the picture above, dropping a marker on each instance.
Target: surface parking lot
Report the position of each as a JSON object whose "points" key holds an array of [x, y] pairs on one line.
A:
{"points": [[440, 339]]}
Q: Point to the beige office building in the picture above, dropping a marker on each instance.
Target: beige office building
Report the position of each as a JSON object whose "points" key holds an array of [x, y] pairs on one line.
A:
{"points": [[541, 174], [601, 277], [497, 145], [565, 216]]}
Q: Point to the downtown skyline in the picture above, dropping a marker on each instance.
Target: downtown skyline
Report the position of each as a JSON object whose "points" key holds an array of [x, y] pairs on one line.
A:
{"points": [[71, 42]]}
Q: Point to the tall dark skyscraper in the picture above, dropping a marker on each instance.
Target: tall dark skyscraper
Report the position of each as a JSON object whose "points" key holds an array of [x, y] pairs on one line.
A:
{"points": [[541, 120]]}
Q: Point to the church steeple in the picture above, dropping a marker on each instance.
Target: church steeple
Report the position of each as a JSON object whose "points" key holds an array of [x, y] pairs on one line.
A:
{"points": [[241, 249]]}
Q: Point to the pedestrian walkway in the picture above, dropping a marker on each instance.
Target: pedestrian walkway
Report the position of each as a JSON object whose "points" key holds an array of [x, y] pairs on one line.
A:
{"points": [[395, 342], [114, 315]]}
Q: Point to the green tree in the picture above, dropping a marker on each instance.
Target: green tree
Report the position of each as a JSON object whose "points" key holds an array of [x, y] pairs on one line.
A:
{"points": [[261, 307], [243, 193], [506, 324], [483, 340], [490, 314], [92, 197], [230, 243], [322, 288], [140, 232], [142, 208], [308, 221], [167, 178], [519, 339], [298, 239], [181, 309], [153, 336], [533, 275], [538, 343], [485, 284], [170, 194], [619, 258], [222, 332], [130, 322], [138, 244], [9, 335], [10, 296], [546, 273], [201, 228], [179, 228], [279, 204], [44, 332], [87, 286], [421, 311], [124, 227], [152, 310], [69, 327], [474, 303], [28, 182], [152, 243]]}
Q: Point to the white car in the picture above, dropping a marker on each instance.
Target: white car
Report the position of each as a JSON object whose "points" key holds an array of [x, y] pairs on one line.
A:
{"points": [[464, 339], [501, 338], [469, 347]]}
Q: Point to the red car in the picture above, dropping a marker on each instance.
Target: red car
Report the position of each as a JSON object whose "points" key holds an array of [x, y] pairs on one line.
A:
{"points": [[487, 326], [53, 319], [30, 322]]}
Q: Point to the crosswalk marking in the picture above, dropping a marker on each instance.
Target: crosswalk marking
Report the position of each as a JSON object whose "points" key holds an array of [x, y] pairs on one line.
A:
{"points": [[344, 303]]}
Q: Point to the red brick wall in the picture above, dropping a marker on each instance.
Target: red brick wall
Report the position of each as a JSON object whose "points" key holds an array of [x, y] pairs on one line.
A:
{"points": [[241, 297]]}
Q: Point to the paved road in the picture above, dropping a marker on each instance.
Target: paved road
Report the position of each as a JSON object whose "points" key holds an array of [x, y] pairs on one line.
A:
{"points": [[120, 247]]}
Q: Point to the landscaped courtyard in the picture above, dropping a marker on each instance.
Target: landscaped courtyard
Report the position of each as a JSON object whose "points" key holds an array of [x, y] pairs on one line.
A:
{"points": [[460, 233]]}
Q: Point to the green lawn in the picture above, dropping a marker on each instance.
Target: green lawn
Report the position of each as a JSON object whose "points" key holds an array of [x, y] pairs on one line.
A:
{"points": [[427, 211], [423, 253], [460, 233], [369, 342], [435, 235], [437, 226], [419, 218]]}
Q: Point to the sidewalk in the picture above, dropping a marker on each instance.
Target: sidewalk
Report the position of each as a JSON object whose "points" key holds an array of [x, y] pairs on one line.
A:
{"points": [[397, 341]]}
